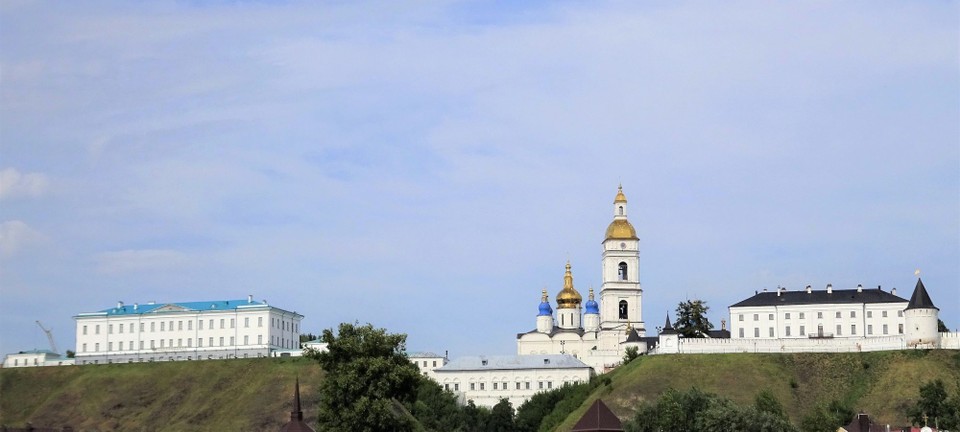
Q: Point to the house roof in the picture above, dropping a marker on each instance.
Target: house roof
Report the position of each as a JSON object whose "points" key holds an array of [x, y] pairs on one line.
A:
{"points": [[667, 327], [296, 423], [838, 296], [212, 305], [423, 354], [920, 299], [517, 362], [598, 418]]}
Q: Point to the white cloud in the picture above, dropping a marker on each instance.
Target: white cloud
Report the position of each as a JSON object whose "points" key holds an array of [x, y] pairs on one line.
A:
{"points": [[138, 260], [15, 236], [14, 184]]}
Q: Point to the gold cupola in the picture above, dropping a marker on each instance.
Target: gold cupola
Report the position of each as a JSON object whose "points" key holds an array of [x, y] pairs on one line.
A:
{"points": [[620, 228], [568, 297]]}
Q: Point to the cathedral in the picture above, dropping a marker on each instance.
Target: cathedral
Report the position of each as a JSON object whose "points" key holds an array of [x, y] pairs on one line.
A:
{"points": [[596, 332]]}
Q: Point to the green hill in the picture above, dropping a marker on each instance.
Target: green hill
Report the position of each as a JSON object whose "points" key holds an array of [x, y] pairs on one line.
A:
{"points": [[881, 384], [229, 395], [255, 394]]}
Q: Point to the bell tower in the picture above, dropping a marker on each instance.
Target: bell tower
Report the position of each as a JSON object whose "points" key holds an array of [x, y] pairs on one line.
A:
{"points": [[620, 293]]}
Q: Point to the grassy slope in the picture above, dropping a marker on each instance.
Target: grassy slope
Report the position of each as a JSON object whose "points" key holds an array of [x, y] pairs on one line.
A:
{"points": [[236, 395], [882, 384]]}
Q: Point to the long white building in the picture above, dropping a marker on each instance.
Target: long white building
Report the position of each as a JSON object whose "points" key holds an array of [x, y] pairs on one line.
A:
{"points": [[199, 330], [487, 379]]}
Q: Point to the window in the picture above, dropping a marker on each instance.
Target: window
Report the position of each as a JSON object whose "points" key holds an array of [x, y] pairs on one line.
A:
{"points": [[84, 347], [211, 324], [131, 328], [200, 325], [741, 332], [853, 329], [199, 342], [622, 271], [869, 329], [771, 331], [161, 343], [883, 314], [163, 326], [246, 340], [803, 331], [802, 315], [756, 332], [786, 315], [456, 386], [549, 384], [232, 341], [120, 346], [171, 325], [819, 315], [853, 314], [540, 384], [121, 328], [839, 332], [259, 339], [222, 321], [96, 329], [527, 385], [189, 325], [770, 317], [518, 385], [180, 325], [210, 341], [435, 365], [96, 347], [756, 317], [623, 309], [141, 344], [740, 317], [232, 323], [141, 326], [885, 329], [869, 314], [494, 385], [246, 322], [110, 329], [179, 342], [473, 386], [260, 324], [84, 329], [152, 344], [786, 331], [900, 328], [838, 314], [900, 313], [221, 340]]}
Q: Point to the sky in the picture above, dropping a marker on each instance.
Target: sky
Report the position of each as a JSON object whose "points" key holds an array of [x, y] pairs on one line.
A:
{"points": [[429, 167]]}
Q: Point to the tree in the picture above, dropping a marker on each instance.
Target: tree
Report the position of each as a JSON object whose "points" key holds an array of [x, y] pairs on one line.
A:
{"points": [[630, 354], [369, 382], [695, 410], [501, 417], [933, 402], [692, 319], [71, 354], [941, 326], [768, 403], [436, 409], [827, 418]]}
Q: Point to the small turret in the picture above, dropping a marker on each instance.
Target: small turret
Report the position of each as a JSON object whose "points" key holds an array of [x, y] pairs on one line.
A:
{"points": [[545, 315], [591, 316], [568, 303]]}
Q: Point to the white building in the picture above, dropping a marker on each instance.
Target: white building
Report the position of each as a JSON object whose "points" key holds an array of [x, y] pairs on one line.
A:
{"points": [[486, 380], [598, 333], [428, 362], [35, 358], [185, 331]]}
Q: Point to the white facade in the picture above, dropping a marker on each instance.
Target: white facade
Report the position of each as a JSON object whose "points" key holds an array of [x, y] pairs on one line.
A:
{"points": [[486, 380], [596, 333], [35, 358], [428, 363], [185, 331]]}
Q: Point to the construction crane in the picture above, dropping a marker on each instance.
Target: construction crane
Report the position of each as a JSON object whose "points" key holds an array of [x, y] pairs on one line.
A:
{"points": [[53, 345]]}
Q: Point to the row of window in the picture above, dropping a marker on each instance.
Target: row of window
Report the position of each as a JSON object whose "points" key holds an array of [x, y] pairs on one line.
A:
{"points": [[168, 343], [274, 322], [171, 358], [416, 362], [839, 314], [501, 385], [853, 330]]}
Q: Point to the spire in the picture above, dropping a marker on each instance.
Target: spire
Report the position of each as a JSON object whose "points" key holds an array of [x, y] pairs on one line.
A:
{"points": [[297, 413], [667, 328], [920, 299], [543, 296], [667, 324], [568, 297]]}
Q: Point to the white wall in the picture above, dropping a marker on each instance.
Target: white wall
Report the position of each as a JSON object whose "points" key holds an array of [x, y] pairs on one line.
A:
{"points": [[531, 381]]}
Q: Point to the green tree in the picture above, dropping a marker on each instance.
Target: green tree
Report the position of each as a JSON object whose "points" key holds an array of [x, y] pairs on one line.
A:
{"points": [[369, 381], [532, 412], [71, 354], [475, 418], [630, 354], [766, 402], [501, 418], [700, 411], [933, 402], [692, 319], [941, 326], [436, 409], [827, 418]]}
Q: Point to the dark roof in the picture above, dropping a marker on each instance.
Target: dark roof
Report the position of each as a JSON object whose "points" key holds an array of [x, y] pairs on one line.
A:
{"points": [[578, 331], [667, 328], [633, 337], [920, 299], [719, 334], [296, 416], [598, 418], [861, 423], [840, 296]]}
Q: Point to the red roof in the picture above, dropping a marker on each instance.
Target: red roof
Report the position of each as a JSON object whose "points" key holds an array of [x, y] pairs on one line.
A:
{"points": [[598, 418]]}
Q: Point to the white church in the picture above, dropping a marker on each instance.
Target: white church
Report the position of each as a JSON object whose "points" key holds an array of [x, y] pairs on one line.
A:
{"points": [[597, 333]]}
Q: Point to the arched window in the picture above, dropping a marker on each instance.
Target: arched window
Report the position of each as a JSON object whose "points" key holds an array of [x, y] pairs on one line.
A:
{"points": [[622, 271], [623, 309], [621, 210]]}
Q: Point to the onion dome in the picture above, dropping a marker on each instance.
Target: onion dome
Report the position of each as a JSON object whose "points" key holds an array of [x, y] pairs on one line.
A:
{"points": [[568, 298], [591, 305], [621, 198], [620, 228], [545, 309]]}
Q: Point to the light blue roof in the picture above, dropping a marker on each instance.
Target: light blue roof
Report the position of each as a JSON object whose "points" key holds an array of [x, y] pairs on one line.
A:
{"points": [[198, 306], [517, 362]]}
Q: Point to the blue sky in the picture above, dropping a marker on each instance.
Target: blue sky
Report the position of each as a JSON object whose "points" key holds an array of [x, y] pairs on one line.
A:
{"points": [[430, 166]]}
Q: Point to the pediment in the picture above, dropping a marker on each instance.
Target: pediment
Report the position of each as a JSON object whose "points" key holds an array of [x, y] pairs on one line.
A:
{"points": [[170, 308]]}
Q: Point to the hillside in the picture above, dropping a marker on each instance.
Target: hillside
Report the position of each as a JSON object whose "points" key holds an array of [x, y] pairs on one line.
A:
{"points": [[255, 394], [234, 395], [879, 383]]}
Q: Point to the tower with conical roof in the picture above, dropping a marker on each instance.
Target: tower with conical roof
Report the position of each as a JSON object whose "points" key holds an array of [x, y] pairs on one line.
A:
{"points": [[568, 303], [620, 294], [921, 318]]}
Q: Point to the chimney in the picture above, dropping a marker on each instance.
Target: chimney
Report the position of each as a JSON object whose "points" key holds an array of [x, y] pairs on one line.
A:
{"points": [[894, 291], [829, 288], [859, 288], [446, 354], [723, 324], [809, 290], [119, 304], [778, 291], [249, 299]]}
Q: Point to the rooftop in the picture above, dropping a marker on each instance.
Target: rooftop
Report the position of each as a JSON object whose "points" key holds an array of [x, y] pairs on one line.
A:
{"points": [[197, 306], [838, 296], [517, 362]]}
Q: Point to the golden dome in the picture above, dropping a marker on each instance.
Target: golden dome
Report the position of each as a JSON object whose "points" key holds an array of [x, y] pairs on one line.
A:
{"points": [[620, 196], [621, 229], [568, 297]]}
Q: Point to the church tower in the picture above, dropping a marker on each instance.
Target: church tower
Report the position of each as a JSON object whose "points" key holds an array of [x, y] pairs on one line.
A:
{"points": [[921, 318], [620, 294], [568, 303]]}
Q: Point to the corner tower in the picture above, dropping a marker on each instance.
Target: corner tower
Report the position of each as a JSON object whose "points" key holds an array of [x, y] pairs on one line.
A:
{"points": [[921, 318], [620, 294]]}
